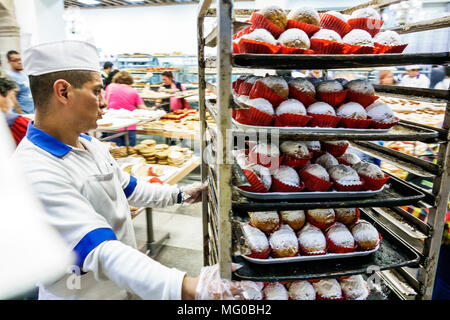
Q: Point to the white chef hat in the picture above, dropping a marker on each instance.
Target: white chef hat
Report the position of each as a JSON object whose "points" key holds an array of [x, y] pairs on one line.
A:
{"points": [[412, 67], [60, 56]]}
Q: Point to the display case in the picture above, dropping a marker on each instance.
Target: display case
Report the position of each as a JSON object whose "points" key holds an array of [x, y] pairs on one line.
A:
{"points": [[408, 264]]}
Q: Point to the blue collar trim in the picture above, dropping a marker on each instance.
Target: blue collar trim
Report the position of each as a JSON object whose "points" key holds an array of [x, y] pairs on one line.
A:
{"points": [[47, 142]]}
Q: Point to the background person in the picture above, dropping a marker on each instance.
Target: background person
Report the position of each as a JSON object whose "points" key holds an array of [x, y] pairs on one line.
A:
{"points": [[121, 95], [413, 78], [107, 68], [23, 102], [386, 77], [170, 83], [445, 83]]}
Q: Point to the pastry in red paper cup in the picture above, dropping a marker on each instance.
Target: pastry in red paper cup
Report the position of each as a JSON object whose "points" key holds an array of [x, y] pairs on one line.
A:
{"points": [[260, 112], [275, 291], [335, 148], [339, 239], [321, 218], [259, 178], [359, 42], [347, 216], [322, 46], [355, 288], [265, 154], [345, 178], [389, 42], [291, 113], [327, 161], [267, 221], [236, 46], [361, 91], [315, 148], [286, 179], [316, 178], [273, 88], [245, 86], [288, 50], [372, 26], [366, 236], [295, 218], [382, 115], [328, 289], [237, 83], [349, 159], [373, 176], [256, 47], [331, 92], [335, 21], [284, 242], [294, 41], [323, 114], [390, 49], [256, 241], [353, 116], [295, 154], [272, 18], [304, 18], [312, 241], [301, 290], [302, 90], [243, 32], [309, 29]]}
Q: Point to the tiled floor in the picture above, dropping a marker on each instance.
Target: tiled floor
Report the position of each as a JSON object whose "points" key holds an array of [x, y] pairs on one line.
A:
{"points": [[183, 250]]}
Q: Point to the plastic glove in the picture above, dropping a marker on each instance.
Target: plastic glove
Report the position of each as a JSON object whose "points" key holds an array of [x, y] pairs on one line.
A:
{"points": [[194, 191], [211, 287]]}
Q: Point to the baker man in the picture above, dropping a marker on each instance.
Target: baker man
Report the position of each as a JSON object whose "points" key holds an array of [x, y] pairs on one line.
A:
{"points": [[83, 190], [413, 78]]}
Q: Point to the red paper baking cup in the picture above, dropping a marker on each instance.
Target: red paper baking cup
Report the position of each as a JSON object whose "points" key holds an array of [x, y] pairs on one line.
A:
{"points": [[341, 187], [260, 22], [305, 252], [334, 149], [372, 26], [383, 125], [374, 183], [301, 96], [309, 29], [334, 248], [324, 120], [259, 118], [235, 47], [278, 186], [241, 116], [260, 255], [313, 183], [356, 123], [257, 47], [380, 238], [390, 49], [259, 90], [244, 88], [319, 297], [243, 32], [265, 160], [332, 98], [355, 49], [256, 184], [328, 21], [342, 161], [322, 46], [295, 162], [289, 50], [316, 153], [292, 120], [363, 99]]}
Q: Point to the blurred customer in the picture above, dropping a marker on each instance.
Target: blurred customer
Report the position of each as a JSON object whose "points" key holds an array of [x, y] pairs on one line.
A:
{"points": [[170, 83], [17, 123], [445, 83], [107, 68], [413, 78], [387, 77], [23, 102], [120, 95], [108, 80], [436, 76], [315, 74]]}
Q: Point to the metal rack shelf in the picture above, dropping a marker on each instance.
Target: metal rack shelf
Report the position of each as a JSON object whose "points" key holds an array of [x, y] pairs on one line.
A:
{"points": [[408, 241]]}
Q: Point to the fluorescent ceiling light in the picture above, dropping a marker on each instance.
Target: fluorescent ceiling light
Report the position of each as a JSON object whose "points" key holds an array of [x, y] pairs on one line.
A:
{"points": [[89, 2]]}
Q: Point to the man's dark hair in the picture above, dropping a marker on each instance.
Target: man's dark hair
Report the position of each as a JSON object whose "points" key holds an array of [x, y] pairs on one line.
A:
{"points": [[168, 74], [107, 65], [10, 53], [42, 86], [6, 86]]}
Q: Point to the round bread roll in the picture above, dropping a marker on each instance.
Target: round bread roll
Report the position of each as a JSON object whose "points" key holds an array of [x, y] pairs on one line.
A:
{"points": [[277, 85], [301, 290], [262, 105], [257, 242], [260, 35], [275, 291], [327, 34], [328, 289], [284, 242], [267, 221], [295, 219], [276, 15], [311, 240], [327, 161], [358, 37], [388, 38], [294, 38], [344, 175], [352, 110], [321, 218], [355, 288], [303, 85], [329, 86], [369, 169], [381, 112], [361, 86], [365, 235], [340, 240], [306, 15], [347, 216], [318, 171], [321, 108]]}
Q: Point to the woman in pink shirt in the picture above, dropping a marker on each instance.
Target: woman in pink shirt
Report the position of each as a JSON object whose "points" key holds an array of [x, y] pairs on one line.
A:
{"points": [[120, 95]]}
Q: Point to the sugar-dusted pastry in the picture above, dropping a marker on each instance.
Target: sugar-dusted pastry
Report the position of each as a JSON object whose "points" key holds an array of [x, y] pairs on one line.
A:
{"points": [[352, 110], [349, 159], [327, 161], [365, 235], [286, 179], [347, 216], [326, 34], [257, 242], [275, 291], [294, 218], [321, 218], [284, 242], [339, 239], [276, 15], [301, 290], [261, 35], [305, 14], [328, 289], [358, 37], [355, 288], [311, 240], [267, 221], [294, 38]]}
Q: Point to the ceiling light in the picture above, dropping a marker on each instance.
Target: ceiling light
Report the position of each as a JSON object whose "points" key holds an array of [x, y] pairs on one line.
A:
{"points": [[89, 2]]}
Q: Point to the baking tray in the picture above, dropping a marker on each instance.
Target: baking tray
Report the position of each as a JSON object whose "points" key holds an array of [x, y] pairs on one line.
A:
{"points": [[396, 192], [308, 195], [297, 130], [393, 253]]}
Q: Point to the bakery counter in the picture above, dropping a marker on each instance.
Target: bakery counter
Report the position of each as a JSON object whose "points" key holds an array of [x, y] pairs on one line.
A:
{"points": [[193, 135]]}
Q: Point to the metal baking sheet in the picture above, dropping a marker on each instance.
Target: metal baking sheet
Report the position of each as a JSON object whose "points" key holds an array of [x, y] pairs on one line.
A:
{"points": [[297, 130], [308, 195]]}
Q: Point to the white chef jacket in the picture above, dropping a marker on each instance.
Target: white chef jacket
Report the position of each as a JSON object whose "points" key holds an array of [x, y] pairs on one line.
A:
{"points": [[421, 81], [86, 198]]}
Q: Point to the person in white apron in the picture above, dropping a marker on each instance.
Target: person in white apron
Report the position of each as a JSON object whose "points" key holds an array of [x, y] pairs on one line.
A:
{"points": [[84, 192], [413, 78]]}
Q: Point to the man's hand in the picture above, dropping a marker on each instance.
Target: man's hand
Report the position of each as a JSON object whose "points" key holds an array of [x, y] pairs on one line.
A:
{"points": [[194, 191]]}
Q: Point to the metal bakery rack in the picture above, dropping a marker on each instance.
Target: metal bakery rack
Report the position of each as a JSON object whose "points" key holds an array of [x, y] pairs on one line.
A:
{"points": [[406, 261]]}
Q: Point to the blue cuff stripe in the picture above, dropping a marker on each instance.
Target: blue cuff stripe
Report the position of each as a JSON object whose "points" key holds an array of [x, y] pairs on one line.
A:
{"points": [[130, 187], [90, 241]]}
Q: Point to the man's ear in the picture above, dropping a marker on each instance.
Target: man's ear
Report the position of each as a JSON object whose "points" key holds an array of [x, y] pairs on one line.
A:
{"points": [[61, 89]]}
